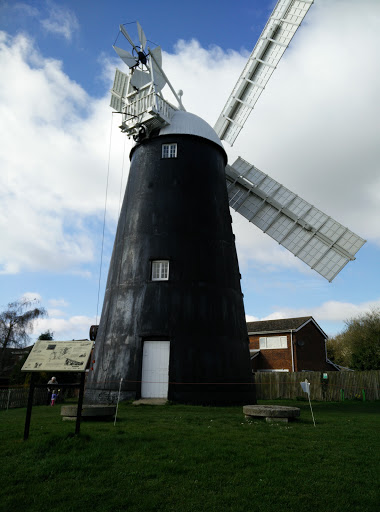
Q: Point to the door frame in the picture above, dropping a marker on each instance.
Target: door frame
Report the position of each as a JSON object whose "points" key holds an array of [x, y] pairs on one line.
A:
{"points": [[156, 368]]}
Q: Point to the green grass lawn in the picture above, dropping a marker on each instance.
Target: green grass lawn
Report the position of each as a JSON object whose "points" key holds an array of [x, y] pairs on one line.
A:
{"points": [[187, 458]]}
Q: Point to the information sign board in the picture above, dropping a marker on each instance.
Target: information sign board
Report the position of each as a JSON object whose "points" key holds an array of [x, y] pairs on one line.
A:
{"points": [[58, 356]]}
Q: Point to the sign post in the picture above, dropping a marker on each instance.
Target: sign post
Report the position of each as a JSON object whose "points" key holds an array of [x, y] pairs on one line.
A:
{"points": [[306, 388], [29, 407], [57, 357], [80, 402]]}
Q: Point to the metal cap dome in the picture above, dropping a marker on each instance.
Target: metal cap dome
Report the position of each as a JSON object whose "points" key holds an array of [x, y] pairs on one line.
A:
{"points": [[189, 124]]}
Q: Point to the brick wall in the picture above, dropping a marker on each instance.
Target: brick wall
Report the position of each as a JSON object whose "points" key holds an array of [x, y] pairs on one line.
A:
{"points": [[309, 351], [273, 359]]}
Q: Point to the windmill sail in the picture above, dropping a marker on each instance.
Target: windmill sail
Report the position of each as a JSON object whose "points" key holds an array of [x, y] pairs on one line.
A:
{"points": [[274, 40], [321, 242], [159, 78], [142, 36], [118, 90], [126, 57]]}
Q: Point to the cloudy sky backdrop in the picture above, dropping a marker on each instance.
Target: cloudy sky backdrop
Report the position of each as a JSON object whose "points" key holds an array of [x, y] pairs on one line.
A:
{"points": [[315, 129]]}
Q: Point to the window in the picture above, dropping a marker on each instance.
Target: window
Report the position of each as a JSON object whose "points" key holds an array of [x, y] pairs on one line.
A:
{"points": [[160, 270], [274, 342], [169, 150]]}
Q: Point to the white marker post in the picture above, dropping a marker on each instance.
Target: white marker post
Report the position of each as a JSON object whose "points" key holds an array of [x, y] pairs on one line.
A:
{"points": [[118, 398], [306, 388]]}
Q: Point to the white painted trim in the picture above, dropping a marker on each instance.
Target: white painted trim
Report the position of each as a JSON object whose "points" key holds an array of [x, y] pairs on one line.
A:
{"points": [[272, 338], [160, 270], [169, 150], [155, 369]]}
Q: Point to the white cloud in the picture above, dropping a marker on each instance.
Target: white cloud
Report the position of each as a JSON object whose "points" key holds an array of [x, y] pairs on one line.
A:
{"points": [[58, 303], [58, 321], [205, 75], [314, 130], [31, 296], [57, 182], [75, 327], [60, 21], [25, 9], [330, 311], [254, 246], [315, 127], [54, 312]]}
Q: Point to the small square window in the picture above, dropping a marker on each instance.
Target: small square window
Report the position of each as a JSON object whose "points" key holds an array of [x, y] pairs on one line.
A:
{"points": [[160, 270], [169, 150]]}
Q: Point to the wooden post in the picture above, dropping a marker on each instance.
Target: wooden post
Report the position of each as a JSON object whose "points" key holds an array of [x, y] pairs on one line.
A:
{"points": [[80, 402], [29, 406]]}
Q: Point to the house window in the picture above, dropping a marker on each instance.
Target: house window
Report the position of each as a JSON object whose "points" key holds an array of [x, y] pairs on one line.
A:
{"points": [[169, 150], [160, 270], [274, 342]]}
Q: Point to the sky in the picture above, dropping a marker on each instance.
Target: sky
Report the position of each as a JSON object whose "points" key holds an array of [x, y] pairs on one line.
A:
{"points": [[315, 129]]}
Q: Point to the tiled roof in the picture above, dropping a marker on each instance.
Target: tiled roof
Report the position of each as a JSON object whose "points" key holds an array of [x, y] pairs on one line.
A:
{"points": [[284, 324]]}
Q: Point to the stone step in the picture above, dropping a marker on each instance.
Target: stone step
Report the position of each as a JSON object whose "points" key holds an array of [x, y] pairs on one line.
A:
{"points": [[69, 412], [150, 401]]}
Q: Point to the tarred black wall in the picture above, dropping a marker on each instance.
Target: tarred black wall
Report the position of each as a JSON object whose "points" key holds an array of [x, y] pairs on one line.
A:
{"points": [[175, 209]]}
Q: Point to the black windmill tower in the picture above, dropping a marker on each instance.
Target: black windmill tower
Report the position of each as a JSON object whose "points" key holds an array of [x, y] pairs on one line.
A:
{"points": [[173, 321]]}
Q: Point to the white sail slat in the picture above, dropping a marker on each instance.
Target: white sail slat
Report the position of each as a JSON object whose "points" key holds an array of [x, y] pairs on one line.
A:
{"points": [[275, 38], [321, 242]]}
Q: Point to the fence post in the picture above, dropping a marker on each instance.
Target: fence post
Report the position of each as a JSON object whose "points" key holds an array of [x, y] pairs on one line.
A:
{"points": [[80, 402], [9, 397]]}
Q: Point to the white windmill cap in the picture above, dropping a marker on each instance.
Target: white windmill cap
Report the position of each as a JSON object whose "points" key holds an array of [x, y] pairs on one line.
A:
{"points": [[189, 124]]}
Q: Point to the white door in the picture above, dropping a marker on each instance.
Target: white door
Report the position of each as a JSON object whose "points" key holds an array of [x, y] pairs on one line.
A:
{"points": [[155, 369]]}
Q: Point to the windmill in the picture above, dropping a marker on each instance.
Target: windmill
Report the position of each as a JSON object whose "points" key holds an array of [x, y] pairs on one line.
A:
{"points": [[173, 322]]}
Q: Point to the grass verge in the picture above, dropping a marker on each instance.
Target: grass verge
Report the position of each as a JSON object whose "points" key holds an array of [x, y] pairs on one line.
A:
{"points": [[188, 458]]}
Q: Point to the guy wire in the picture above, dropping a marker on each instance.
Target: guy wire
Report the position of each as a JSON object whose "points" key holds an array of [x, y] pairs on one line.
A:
{"points": [[104, 218], [122, 176]]}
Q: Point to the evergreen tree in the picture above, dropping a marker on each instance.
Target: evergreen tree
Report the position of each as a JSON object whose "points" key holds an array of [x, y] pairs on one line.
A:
{"points": [[358, 345]]}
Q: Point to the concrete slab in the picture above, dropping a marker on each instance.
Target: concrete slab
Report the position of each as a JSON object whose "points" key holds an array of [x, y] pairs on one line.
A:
{"points": [[150, 401], [93, 412]]}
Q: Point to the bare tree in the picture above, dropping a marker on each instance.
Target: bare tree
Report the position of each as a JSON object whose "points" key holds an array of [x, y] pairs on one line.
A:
{"points": [[16, 322]]}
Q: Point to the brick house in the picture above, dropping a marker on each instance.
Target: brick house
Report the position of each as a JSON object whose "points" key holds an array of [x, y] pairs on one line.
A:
{"points": [[288, 345]]}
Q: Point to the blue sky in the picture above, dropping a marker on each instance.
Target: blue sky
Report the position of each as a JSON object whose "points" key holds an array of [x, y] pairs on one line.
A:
{"points": [[315, 129]]}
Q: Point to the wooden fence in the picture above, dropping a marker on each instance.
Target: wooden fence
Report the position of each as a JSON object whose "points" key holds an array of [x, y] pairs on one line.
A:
{"points": [[18, 397], [269, 386], [337, 386]]}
